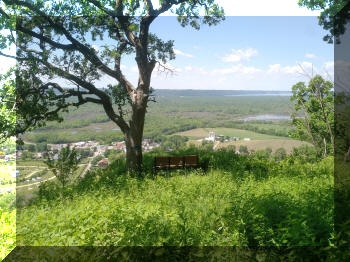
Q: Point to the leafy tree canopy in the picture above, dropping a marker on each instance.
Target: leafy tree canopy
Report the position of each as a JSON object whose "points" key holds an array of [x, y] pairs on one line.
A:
{"points": [[7, 105], [59, 39], [82, 41], [316, 101]]}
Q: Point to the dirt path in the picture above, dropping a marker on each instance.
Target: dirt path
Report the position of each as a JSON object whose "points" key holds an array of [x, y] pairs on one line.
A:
{"points": [[88, 166], [36, 171], [50, 178]]}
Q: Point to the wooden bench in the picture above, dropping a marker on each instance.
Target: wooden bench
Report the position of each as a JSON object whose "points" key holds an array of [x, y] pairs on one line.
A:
{"points": [[175, 162]]}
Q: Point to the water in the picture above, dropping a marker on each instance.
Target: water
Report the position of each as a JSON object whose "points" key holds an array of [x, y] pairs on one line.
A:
{"points": [[265, 117]]}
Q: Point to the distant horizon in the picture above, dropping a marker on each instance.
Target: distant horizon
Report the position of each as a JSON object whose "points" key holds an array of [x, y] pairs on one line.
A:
{"points": [[218, 93], [192, 89], [264, 53]]}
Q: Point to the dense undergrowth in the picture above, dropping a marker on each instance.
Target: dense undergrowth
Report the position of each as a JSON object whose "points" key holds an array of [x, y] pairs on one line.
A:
{"points": [[8, 224], [240, 200]]}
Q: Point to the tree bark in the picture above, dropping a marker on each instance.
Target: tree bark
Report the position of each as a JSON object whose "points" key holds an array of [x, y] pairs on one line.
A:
{"points": [[133, 144], [133, 137]]}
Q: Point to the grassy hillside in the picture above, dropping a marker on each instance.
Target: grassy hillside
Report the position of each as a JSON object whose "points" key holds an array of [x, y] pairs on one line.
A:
{"points": [[241, 200]]}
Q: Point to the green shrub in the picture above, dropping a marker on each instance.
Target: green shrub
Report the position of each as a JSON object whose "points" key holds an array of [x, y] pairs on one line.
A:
{"points": [[8, 201]]}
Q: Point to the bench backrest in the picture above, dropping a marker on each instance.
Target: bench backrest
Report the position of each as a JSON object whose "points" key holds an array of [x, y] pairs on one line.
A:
{"points": [[176, 161]]}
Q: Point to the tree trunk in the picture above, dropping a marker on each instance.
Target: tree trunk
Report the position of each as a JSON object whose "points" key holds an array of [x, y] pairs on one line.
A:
{"points": [[133, 138], [133, 144]]}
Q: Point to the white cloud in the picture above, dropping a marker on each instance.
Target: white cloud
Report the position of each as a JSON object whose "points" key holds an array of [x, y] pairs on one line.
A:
{"points": [[240, 55], [296, 69], [239, 69], [179, 52], [310, 56], [275, 68], [222, 80], [329, 66], [194, 70]]}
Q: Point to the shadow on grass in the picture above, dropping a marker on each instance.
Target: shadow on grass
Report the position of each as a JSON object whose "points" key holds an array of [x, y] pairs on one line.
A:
{"points": [[278, 219]]}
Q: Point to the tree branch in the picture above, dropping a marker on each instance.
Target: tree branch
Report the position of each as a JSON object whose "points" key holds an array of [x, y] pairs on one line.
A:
{"points": [[88, 52], [104, 98], [68, 47], [103, 8]]}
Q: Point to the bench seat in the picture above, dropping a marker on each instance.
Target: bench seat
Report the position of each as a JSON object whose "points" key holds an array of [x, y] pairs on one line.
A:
{"points": [[175, 162]]}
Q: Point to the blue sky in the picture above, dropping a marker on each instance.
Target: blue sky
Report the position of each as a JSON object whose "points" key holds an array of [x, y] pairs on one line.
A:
{"points": [[247, 51], [242, 52]]}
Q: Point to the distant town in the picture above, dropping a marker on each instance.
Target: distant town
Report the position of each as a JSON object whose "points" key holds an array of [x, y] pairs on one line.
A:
{"points": [[93, 153], [94, 146], [98, 149]]}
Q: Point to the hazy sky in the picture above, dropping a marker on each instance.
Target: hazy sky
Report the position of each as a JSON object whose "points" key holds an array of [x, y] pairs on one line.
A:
{"points": [[243, 52]]}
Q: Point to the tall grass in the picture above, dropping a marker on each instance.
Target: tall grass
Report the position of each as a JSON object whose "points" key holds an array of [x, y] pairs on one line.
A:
{"points": [[7, 224], [240, 201]]}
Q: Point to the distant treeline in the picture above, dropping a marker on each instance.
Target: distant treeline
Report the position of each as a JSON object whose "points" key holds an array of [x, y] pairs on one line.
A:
{"points": [[170, 115], [210, 93]]}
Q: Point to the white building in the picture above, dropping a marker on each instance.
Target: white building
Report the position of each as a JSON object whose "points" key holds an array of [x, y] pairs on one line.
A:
{"points": [[211, 137]]}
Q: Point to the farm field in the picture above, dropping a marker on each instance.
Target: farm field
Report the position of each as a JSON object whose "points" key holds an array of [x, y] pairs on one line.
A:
{"points": [[274, 144], [30, 163], [199, 133]]}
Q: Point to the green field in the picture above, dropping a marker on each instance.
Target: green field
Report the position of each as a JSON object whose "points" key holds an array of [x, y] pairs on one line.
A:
{"points": [[274, 144], [200, 133], [30, 163]]}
